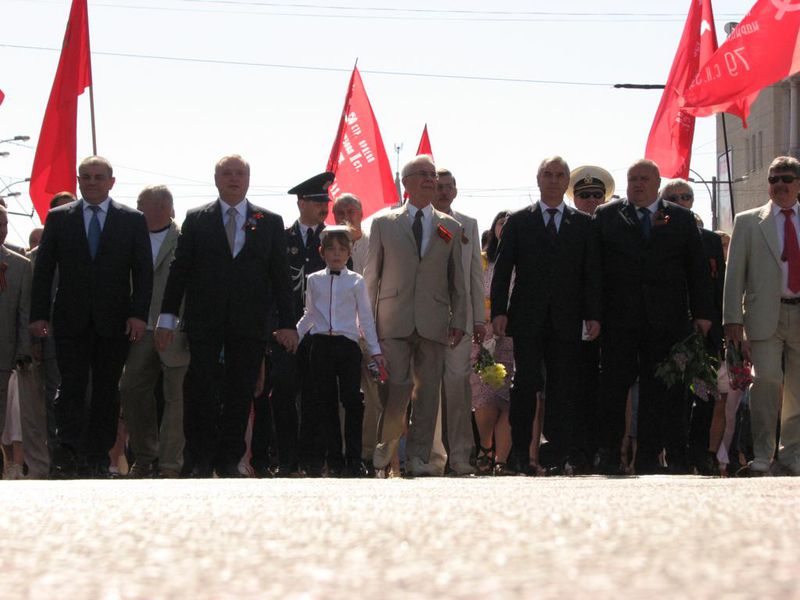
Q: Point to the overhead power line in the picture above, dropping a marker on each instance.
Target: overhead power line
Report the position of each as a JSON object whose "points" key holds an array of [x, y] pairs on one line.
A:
{"points": [[331, 69]]}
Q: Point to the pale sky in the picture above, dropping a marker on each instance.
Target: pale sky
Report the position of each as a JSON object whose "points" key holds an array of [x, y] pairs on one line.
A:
{"points": [[501, 85]]}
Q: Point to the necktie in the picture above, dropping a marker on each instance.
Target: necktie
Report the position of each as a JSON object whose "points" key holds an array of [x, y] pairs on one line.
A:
{"points": [[791, 251], [644, 218], [417, 229], [230, 227], [551, 225], [309, 237], [94, 231]]}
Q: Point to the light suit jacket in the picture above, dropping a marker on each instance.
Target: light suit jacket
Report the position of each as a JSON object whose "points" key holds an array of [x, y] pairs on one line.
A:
{"points": [[472, 265], [15, 305], [753, 279], [409, 293], [177, 353]]}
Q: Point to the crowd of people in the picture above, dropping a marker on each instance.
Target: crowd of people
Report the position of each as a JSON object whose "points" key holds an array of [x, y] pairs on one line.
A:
{"points": [[232, 346]]}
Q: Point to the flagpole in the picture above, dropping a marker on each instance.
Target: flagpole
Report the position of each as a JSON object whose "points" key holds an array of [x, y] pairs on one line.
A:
{"points": [[91, 111], [728, 163]]}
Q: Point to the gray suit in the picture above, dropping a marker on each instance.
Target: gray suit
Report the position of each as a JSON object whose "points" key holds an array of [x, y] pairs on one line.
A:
{"points": [[142, 368], [416, 300], [752, 297]]}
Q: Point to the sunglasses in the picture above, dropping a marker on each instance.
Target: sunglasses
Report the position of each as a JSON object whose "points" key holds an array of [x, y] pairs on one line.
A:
{"points": [[783, 178], [681, 197], [587, 195]]}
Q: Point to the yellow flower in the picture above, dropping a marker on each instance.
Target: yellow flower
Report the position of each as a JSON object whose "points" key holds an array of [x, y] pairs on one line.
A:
{"points": [[494, 376]]}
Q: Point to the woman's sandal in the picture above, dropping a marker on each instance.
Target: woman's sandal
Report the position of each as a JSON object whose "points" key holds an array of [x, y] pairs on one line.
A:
{"points": [[485, 461]]}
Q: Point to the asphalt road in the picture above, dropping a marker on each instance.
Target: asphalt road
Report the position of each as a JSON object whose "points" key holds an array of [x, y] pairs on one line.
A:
{"points": [[589, 537]]}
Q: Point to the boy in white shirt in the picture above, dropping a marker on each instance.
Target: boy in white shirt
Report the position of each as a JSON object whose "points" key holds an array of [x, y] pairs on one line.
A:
{"points": [[337, 314]]}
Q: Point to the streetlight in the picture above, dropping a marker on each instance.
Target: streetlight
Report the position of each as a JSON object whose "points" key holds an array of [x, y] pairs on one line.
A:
{"points": [[11, 195], [712, 192], [14, 195]]}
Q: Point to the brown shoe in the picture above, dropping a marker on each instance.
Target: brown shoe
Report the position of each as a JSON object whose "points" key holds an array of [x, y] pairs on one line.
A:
{"points": [[138, 471], [169, 474]]}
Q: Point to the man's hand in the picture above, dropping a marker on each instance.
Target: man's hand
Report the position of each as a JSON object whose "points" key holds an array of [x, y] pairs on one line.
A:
{"points": [[135, 328], [702, 325], [592, 330], [499, 324], [39, 328], [478, 332], [455, 336], [288, 339], [163, 338], [381, 361], [734, 332]]}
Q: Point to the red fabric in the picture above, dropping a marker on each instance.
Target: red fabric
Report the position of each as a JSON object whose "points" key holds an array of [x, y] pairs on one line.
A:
{"points": [[425, 143], [358, 157], [791, 250], [764, 48], [670, 141], [2, 96], [56, 153]]}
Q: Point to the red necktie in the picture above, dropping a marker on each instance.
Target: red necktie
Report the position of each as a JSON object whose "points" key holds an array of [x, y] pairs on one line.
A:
{"points": [[791, 250]]}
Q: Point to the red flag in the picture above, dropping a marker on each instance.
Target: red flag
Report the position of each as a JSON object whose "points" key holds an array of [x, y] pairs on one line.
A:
{"points": [[670, 141], [358, 157], [762, 49], [425, 143], [423, 148], [56, 153], [2, 96]]}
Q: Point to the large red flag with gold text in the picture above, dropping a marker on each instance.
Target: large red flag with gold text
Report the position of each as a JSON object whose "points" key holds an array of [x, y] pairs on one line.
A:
{"points": [[763, 49], [670, 141], [358, 157], [56, 153]]}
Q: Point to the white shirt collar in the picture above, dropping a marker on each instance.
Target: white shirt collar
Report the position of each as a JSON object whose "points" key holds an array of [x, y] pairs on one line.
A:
{"points": [[427, 210], [560, 208], [776, 209], [103, 205], [240, 208]]}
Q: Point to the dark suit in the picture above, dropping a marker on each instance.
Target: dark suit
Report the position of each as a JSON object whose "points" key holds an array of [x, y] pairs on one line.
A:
{"points": [[702, 409], [227, 300], [285, 370], [651, 291], [556, 287], [93, 301]]}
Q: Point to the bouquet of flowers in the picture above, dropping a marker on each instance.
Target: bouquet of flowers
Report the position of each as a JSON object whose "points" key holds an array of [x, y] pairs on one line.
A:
{"points": [[738, 371], [690, 364], [490, 372]]}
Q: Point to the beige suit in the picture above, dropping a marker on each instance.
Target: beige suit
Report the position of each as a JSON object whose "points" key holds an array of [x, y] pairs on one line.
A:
{"points": [[15, 305], [33, 413], [752, 297], [142, 368], [416, 301], [457, 439]]}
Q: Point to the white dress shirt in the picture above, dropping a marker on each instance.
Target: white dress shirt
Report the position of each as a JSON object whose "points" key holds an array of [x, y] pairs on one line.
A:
{"points": [[427, 223], [241, 217], [101, 214], [156, 241], [780, 221], [339, 305], [558, 216]]}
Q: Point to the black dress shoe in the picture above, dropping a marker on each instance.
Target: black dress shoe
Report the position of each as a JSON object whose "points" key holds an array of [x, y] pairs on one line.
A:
{"points": [[100, 472], [262, 472], [228, 472], [201, 472]]}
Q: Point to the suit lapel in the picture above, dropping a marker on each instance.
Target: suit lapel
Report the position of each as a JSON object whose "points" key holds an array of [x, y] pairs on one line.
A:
{"points": [[75, 218], [768, 229], [402, 218], [110, 227], [217, 230], [167, 245]]}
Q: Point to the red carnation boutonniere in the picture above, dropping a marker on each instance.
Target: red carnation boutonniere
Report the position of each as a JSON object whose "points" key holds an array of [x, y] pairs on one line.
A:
{"points": [[661, 219], [444, 233], [252, 221]]}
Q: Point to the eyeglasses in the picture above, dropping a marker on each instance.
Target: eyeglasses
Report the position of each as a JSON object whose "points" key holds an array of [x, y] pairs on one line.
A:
{"points": [[424, 174], [595, 195], [682, 197], [784, 178]]}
